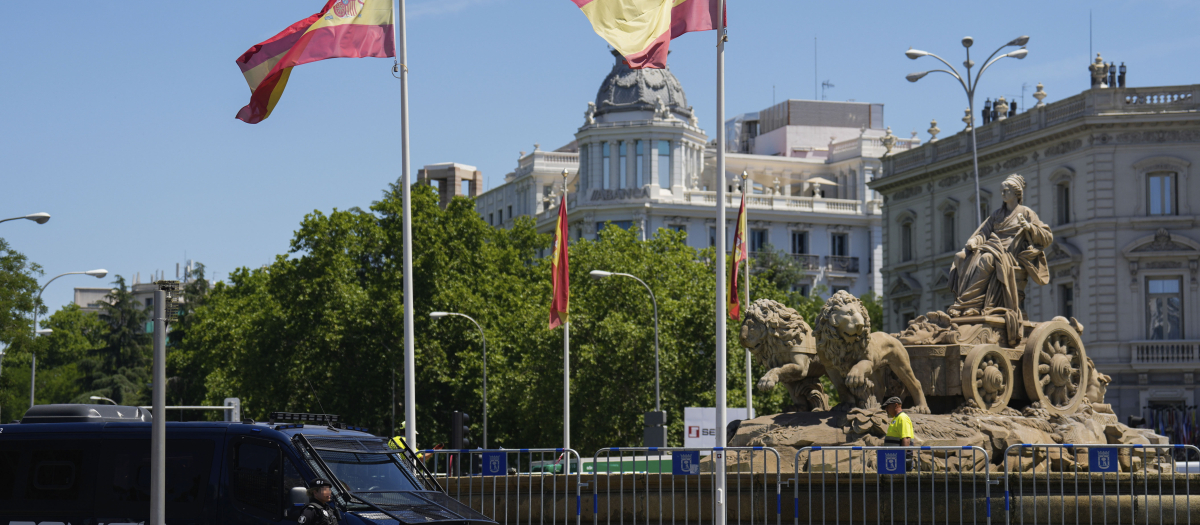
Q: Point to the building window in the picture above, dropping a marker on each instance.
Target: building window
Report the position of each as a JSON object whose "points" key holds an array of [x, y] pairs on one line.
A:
{"points": [[804, 289], [640, 168], [837, 244], [1162, 193], [1066, 300], [837, 289], [907, 318], [607, 163], [622, 165], [678, 228], [1164, 308], [1064, 203], [949, 231], [490, 217], [664, 163], [758, 239], [799, 242], [712, 235], [509, 213], [906, 242]]}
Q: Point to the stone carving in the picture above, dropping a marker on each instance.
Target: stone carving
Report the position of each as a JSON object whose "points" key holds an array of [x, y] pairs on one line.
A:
{"points": [[908, 192], [589, 116], [1099, 72], [1163, 243], [1014, 162], [1098, 386], [619, 194], [933, 130], [988, 277], [1158, 265], [933, 328], [661, 111], [1064, 147], [1040, 95], [1156, 137], [888, 141], [781, 341], [857, 360]]}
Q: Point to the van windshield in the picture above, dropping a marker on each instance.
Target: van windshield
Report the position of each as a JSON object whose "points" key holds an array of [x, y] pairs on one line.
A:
{"points": [[368, 472]]}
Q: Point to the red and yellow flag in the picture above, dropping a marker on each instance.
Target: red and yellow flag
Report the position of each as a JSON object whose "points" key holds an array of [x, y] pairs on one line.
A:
{"points": [[641, 30], [739, 254], [560, 269], [343, 28]]}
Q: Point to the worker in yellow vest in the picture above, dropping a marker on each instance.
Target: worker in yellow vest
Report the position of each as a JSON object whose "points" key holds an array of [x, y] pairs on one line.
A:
{"points": [[399, 443]]}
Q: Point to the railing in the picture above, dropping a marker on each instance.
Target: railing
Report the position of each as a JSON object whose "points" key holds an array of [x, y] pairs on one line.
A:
{"points": [[548, 160], [508, 484], [1066, 109], [1165, 352], [776, 202], [839, 263], [807, 262], [1160, 97]]}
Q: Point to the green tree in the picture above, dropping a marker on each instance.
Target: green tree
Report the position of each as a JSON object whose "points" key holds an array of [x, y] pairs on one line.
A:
{"points": [[186, 365], [779, 269], [18, 291], [120, 368]]}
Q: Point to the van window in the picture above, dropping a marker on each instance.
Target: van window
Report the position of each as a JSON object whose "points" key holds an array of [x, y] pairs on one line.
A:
{"points": [[256, 476], [124, 481], [54, 475]]}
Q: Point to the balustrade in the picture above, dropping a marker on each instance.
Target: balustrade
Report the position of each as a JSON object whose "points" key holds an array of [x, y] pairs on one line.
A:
{"points": [[838, 263], [1165, 352], [807, 262]]}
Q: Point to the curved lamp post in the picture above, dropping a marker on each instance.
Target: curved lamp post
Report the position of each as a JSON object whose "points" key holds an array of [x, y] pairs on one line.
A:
{"points": [[601, 274], [99, 274], [439, 315], [969, 84], [39, 218], [102, 398]]}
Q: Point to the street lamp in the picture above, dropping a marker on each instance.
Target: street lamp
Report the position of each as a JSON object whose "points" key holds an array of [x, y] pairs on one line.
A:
{"points": [[968, 84], [601, 274], [100, 273], [102, 398], [39, 218], [439, 315]]}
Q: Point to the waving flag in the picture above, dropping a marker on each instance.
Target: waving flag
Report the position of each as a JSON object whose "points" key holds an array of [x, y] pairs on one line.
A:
{"points": [[343, 28], [560, 269], [641, 30], [739, 254]]}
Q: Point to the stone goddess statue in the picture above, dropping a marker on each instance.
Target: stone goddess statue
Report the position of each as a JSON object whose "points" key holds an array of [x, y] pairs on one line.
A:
{"points": [[989, 276]]}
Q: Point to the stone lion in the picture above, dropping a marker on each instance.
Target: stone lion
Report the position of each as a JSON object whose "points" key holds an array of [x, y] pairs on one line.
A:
{"points": [[857, 360], [781, 341]]}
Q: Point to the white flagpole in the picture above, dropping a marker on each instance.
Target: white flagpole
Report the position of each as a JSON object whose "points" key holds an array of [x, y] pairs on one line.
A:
{"points": [[721, 357], [566, 357], [746, 308], [410, 382]]}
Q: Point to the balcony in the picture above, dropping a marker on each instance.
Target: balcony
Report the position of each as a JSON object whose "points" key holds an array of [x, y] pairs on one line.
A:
{"points": [[807, 262], [1165, 354], [838, 263]]}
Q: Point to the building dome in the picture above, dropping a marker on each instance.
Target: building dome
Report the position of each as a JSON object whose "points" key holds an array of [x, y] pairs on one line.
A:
{"points": [[626, 89]]}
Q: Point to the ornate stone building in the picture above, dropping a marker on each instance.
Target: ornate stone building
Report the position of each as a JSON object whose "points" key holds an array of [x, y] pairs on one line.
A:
{"points": [[640, 159], [1108, 169]]}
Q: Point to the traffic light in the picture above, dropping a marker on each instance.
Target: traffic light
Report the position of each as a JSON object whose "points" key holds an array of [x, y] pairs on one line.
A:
{"points": [[460, 430]]}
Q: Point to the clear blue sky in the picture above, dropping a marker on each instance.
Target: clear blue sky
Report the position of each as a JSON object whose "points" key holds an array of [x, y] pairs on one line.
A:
{"points": [[118, 117]]}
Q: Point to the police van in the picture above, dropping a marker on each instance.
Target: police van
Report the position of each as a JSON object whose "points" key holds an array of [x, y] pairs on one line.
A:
{"points": [[90, 464]]}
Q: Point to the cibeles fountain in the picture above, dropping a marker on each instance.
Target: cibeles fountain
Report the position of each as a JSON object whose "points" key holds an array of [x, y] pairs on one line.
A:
{"points": [[981, 374]]}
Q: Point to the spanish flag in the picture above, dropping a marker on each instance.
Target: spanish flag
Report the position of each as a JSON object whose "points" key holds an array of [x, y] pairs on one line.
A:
{"points": [[739, 254], [560, 269], [343, 28], [641, 30]]}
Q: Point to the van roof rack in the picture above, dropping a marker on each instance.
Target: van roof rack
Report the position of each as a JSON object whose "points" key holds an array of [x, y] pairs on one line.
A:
{"points": [[333, 420]]}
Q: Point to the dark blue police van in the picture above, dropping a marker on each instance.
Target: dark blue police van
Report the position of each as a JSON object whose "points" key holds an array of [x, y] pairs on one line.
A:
{"points": [[90, 464]]}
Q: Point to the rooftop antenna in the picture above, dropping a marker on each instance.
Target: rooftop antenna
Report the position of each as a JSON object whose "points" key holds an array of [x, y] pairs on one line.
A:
{"points": [[314, 393], [815, 76], [1089, 35], [1024, 85], [825, 85]]}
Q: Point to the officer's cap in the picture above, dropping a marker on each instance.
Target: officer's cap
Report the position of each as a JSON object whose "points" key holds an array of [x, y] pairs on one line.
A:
{"points": [[321, 482]]}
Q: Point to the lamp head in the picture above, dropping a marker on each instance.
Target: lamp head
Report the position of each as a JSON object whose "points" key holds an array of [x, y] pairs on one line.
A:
{"points": [[1019, 54], [39, 218], [599, 274], [915, 53], [100, 273], [967, 41], [45, 331], [95, 398], [438, 315], [1019, 41], [913, 77]]}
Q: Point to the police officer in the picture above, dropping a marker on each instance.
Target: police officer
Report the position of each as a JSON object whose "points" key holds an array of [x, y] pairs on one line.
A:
{"points": [[319, 511]]}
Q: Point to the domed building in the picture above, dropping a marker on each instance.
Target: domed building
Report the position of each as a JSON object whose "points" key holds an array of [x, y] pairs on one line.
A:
{"points": [[640, 159]]}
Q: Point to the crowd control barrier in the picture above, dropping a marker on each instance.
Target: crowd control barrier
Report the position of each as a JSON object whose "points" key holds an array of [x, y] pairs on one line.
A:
{"points": [[660, 485], [860, 484], [529, 485], [1131, 483]]}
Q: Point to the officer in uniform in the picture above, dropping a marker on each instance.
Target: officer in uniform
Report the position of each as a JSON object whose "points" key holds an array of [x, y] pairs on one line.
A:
{"points": [[319, 511]]}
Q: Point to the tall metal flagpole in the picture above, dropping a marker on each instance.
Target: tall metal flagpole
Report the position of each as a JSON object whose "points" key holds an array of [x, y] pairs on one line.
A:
{"points": [[566, 361], [410, 382], [746, 308], [721, 182], [158, 424]]}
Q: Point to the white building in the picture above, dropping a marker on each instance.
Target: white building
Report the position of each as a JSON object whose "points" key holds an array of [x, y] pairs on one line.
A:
{"points": [[640, 159], [1108, 170]]}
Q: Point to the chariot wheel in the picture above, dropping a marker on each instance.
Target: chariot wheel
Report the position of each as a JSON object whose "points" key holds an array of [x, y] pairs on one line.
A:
{"points": [[1056, 367], [987, 377]]}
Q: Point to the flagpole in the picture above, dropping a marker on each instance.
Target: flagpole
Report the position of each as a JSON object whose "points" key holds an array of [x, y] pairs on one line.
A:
{"points": [[745, 309], [566, 359], [719, 513], [410, 384]]}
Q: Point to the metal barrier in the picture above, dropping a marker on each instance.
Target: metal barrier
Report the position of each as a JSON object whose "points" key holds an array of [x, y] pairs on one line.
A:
{"points": [[893, 484], [1072, 477], [530, 485], [677, 485]]}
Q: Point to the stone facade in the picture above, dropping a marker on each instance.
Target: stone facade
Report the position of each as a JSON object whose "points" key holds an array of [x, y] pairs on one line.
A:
{"points": [[1108, 170]]}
